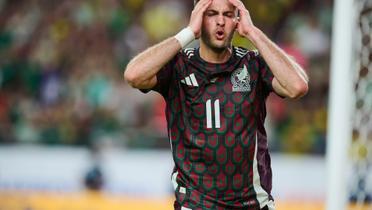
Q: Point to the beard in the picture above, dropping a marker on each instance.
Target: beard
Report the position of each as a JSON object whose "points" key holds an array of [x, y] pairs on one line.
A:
{"points": [[216, 45]]}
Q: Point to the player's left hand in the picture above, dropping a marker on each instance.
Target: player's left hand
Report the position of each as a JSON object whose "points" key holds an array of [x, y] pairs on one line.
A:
{"points": [[245, 25]]}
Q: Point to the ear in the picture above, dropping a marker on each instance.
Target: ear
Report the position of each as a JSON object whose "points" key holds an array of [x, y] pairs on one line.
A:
{"points": [[236, 21], [237, 25]]}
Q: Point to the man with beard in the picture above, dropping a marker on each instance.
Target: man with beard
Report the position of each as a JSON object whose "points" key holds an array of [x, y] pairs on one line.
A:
{"points": [[215, 105]]}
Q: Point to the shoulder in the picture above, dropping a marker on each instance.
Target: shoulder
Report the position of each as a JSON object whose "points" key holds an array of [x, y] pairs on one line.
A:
{"points": [[188, 53], [183, 56], [245, 53]]}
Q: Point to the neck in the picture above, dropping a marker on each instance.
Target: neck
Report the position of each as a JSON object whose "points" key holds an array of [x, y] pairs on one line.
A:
{"points": [[214, 55]]}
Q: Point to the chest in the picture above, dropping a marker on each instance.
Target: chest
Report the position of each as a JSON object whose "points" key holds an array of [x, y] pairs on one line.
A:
{"points": [[218, 100], [236, 86]]}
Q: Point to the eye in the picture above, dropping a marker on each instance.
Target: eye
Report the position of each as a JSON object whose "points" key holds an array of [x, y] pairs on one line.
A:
{"points": [[229, 14], [210, 13]]}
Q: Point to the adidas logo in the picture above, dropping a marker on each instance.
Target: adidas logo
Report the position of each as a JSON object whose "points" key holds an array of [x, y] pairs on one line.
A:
{"points": [[190, 81]]}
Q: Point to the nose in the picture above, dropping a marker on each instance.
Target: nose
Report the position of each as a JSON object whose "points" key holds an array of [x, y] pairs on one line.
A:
{"points": [[220, 20]]}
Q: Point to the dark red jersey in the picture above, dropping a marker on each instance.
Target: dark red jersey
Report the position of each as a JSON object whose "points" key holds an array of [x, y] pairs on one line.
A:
{"points": [[215, 115]]}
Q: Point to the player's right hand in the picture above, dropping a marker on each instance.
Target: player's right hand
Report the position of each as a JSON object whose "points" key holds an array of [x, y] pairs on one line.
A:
{"points": [[197, 14]]}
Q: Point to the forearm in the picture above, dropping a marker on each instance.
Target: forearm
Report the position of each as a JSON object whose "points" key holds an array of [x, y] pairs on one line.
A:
{"points": [[142, 69], [286, 71]]}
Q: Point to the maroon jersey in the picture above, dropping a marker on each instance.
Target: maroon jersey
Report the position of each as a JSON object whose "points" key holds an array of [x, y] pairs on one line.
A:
{"points": [[215, 115]]}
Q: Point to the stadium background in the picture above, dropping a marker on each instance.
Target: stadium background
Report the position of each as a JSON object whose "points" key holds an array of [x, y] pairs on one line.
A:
{"points": [[73, 135]]}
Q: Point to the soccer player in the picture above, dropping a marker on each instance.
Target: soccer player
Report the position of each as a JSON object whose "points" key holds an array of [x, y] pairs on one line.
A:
{"points": [[215, 105]]}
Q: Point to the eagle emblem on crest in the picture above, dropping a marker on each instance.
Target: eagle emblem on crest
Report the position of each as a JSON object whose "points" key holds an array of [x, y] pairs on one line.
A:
{"points": [[241, 80]]}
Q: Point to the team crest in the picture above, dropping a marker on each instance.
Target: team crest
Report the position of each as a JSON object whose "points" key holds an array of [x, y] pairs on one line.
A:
{"points": [[241, 80]]}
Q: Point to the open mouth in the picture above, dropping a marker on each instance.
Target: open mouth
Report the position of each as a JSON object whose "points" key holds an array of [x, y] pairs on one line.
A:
{"points": [[220, 34]]}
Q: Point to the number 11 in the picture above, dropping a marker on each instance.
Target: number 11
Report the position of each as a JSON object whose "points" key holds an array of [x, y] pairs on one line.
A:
{"points": [[217, 118]]}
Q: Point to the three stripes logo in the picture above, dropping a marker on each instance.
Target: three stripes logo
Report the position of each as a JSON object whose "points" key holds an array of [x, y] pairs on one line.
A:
{"points": [[240, 52], [189, 52], [190, 81]]}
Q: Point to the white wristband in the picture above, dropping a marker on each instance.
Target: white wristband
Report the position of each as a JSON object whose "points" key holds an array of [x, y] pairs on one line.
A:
{"points": [[185, 36]]}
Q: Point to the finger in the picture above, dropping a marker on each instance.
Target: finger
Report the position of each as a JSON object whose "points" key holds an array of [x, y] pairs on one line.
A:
{"points": [[201, 4], [238, 4], [205, 7]]}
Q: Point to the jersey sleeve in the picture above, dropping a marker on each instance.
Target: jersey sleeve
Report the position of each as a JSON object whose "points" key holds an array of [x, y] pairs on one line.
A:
{"points": [[265, 74], [164, 78]]}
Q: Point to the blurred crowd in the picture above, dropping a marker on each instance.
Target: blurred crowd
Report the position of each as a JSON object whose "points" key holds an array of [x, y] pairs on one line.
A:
{"points": [[61, 67]]}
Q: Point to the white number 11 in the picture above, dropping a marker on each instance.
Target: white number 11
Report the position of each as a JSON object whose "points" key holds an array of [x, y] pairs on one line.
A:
{"points": [[216, 113]]}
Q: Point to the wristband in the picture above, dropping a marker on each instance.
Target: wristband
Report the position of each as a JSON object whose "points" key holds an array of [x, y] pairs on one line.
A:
{"points": [[185, 36]]}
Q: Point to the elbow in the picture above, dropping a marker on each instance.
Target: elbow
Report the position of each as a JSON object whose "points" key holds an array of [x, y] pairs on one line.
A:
{"points": [[299, 90], [131, 77], [138, 79]]}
